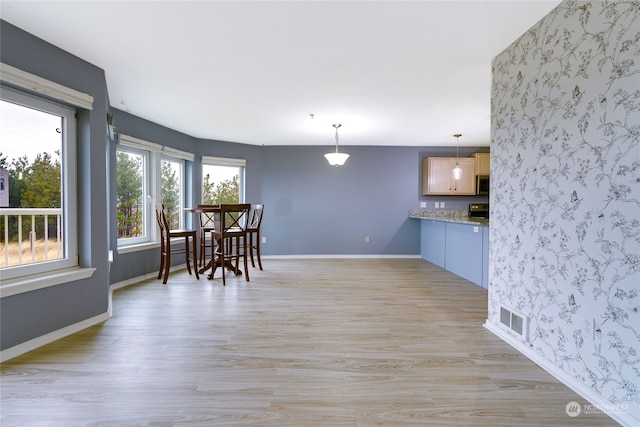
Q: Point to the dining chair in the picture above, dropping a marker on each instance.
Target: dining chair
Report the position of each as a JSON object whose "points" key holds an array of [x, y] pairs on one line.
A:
{"points": [[166, 250], [231, 241], [207, 220], [253, 232]]}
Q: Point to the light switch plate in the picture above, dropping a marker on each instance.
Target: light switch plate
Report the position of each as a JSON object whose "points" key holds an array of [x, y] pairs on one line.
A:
{"points": [[423, 204]]}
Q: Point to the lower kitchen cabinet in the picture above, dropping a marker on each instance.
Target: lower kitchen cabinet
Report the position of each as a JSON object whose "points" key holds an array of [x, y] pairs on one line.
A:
{"points": [[432, 241], [462, 249], [485, 257]]}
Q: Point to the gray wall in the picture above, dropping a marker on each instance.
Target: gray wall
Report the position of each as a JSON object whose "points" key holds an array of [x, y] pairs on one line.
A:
{"points": [[564, 247], [312, 208], [30, 315]]}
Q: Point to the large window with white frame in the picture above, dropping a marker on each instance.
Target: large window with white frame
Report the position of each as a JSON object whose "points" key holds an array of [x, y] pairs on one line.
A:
{"points": [[223, 180], [132, 192], [172, 190], [38, 202], [147, 174]]}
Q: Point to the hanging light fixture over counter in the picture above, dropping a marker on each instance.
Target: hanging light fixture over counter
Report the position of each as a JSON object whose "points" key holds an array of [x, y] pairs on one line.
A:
{"points": [[457, 171], [336, 159]]}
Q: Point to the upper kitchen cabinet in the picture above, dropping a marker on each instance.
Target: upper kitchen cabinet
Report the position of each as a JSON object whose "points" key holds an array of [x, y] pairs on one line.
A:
{"points": [[482, 163], [437, 177]]}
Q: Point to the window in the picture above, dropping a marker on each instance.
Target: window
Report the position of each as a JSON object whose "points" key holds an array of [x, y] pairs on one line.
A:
{"points": [[146, 174], [223, 180], [172, 190], [131, 193], [38, 225]]}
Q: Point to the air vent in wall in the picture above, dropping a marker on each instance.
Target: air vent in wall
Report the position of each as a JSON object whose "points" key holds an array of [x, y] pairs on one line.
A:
{"points": [[514, 322]]}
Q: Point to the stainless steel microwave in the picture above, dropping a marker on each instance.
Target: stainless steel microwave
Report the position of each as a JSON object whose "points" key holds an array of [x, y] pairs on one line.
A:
{"points": [[482, 185]]}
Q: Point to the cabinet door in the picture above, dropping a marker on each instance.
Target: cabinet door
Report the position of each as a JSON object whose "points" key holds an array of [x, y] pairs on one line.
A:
{"points": [[482, 163], [463, 251], [438, 175], [432, 241], [467, 184]]}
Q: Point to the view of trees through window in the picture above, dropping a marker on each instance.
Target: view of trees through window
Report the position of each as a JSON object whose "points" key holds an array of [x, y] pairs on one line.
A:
{"points": [[31, 190], [171, 189], [131, 181], [220, 184], [130, 194]]}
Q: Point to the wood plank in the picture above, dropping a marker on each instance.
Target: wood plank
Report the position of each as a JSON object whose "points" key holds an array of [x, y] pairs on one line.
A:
{"points": [[331, 342]]}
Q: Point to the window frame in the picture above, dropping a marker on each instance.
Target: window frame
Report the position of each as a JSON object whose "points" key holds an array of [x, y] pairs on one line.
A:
{"points": [[146, 192], [181, 173], [229, 162], [152, 182], [46, 89], [68, 180]]}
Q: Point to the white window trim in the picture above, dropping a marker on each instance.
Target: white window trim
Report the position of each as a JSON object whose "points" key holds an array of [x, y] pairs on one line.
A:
{"points": [[12, 76], [43, 280], [178, 154], [152, 188], [132, 141], [228, 161], [147, 191], [21, 79], [181, 162], [223, 161]]}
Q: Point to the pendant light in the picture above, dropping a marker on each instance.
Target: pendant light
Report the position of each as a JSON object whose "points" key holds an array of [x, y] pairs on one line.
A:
{"points": [[457, 171], [336, 159]]}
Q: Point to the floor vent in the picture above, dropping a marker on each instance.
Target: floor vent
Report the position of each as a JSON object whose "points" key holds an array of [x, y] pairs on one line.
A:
{"points": [[515, 322]]}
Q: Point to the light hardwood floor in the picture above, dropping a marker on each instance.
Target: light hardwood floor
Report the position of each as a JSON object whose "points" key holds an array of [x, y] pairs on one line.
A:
{"points": [[346, 342]]}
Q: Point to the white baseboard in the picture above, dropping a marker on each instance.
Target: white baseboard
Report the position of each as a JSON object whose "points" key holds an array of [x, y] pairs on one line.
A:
{"points": [[624, 419], [147, 276], [28, 346], [370, 256], [35, 343]]}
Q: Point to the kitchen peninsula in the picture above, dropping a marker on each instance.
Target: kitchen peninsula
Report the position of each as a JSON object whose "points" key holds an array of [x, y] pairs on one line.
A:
{"points": [[455, 242]]}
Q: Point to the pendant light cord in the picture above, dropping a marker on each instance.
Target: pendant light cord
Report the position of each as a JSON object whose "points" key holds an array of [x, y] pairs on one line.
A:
{"points": [[337, 125]]}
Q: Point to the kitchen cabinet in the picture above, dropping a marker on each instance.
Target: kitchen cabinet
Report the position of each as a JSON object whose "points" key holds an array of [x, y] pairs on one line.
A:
{"points": [[462, 249], [437, 177], [482, 163], [432, 241]]}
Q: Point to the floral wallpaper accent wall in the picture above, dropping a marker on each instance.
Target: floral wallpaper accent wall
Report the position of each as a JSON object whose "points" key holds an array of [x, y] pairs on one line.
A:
{"points": [[565, 193]]}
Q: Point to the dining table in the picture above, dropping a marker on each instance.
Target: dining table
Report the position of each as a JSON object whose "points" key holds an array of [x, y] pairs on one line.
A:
{"points": [[214, 262]]}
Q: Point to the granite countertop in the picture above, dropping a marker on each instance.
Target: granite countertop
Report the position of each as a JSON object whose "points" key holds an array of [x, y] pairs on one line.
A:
{"points": [[460, 217]]}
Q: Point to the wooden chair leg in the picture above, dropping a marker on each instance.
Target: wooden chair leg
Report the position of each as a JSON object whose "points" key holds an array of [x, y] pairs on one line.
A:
{"points": [[223, 259], [161, 270], [194, 257], [244, 258], [187, 258], [253, 264], [258, 250], [167, 266]]}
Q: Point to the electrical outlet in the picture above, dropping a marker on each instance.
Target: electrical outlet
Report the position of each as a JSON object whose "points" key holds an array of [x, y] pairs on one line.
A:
{"points": [[442, 205], [423, 204], [437, 205], [366, 239], [264, 239]]}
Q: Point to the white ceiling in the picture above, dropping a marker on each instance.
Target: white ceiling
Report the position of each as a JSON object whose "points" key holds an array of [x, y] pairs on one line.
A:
{"points": [[392, 73]]}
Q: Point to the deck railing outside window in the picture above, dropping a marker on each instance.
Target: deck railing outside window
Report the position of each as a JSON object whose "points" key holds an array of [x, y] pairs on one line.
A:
{"points": [[30, 235]]}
